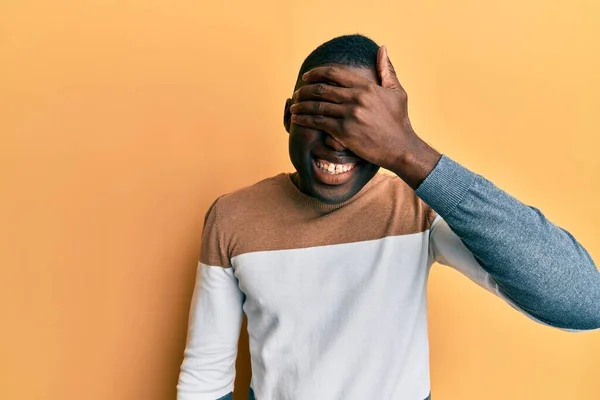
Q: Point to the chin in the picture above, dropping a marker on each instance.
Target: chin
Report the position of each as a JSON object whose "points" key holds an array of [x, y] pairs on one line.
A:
{"points": [[339, 193]]}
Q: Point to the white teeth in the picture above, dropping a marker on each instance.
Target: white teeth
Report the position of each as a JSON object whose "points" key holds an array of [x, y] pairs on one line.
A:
{"points": [[334, 169]]}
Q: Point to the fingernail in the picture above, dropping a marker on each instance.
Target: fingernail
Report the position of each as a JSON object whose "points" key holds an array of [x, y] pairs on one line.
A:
{"points": [[294, 117], [293, 108], [304, 75]]}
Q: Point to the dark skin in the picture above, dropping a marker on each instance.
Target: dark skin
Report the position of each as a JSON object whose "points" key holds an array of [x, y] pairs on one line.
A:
{"points": [[342, 114], [307, 144]]}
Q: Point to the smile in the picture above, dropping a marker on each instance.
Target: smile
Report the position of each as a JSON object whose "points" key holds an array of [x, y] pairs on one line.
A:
{"points": [[328, 173], [334, 169]]}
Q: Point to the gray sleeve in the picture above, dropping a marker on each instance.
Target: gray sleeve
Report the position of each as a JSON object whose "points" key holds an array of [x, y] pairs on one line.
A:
{"points": [[539, 266]]}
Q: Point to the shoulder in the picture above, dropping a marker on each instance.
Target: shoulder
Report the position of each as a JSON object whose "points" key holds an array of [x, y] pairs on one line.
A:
{"points": [[247, 198], [390, 186], [393, 189], [389, 182]]}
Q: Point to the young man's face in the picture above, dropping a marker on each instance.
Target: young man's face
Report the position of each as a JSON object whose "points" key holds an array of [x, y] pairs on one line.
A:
{"points": [[313, 152]]}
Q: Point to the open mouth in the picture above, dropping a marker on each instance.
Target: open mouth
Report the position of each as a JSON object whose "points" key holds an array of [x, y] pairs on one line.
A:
{"points": [[333, 174]]}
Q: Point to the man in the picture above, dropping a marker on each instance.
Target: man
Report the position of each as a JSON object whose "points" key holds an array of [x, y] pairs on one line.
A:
{"points": [[330, 263]]}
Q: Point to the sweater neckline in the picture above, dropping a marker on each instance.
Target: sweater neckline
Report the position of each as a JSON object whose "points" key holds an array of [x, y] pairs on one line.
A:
{"points": [[294, 192]]}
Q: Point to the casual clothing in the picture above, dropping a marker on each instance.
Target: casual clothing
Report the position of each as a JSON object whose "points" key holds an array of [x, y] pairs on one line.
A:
{"points": [[229, 396], [335, 295]]}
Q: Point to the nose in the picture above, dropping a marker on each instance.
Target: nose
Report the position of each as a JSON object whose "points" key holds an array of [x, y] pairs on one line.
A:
{"points": [[334, 144]]}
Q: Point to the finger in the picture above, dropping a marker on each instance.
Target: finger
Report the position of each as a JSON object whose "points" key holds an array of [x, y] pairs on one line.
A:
{"points": [[335, 74], [386, 70], [319, 108], [320, 122], [323, 91]]}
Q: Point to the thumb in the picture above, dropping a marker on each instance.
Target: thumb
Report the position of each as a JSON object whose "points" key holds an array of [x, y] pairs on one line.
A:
{"points": [[386, 71]]}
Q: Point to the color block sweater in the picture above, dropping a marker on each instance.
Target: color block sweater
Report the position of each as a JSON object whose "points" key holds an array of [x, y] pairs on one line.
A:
{"points": [[335, 295]]}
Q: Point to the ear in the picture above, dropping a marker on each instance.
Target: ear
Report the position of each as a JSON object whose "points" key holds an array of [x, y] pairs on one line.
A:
{"points": [[287, 115]]}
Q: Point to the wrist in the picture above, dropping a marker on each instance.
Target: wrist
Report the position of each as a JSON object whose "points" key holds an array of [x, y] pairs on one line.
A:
{"points": [[416, 162]]}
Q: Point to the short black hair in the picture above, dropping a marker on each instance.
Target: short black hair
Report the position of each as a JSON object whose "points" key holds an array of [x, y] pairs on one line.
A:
{"points": [[350, 50]]}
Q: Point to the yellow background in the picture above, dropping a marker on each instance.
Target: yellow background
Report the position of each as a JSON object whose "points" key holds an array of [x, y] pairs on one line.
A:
{"points": [[121, 121]]}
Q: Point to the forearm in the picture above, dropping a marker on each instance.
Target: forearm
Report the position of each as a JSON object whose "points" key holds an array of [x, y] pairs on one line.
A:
{"points": [[539, 265]]}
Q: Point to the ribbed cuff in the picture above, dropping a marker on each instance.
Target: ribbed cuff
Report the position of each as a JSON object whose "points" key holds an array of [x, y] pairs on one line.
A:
{"points": [[446, 185]]}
